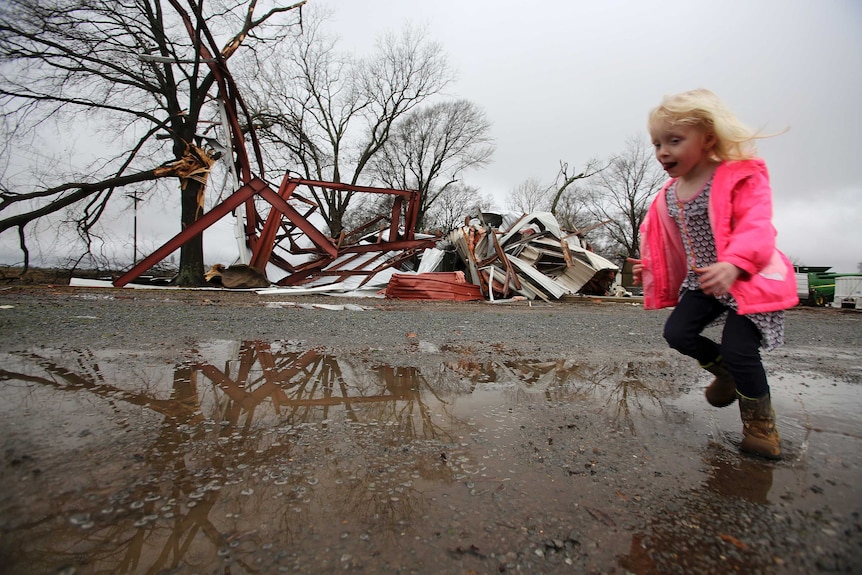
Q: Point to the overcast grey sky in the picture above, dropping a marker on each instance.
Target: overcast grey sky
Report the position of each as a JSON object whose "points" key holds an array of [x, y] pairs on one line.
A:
{"points": [[572, 79]]}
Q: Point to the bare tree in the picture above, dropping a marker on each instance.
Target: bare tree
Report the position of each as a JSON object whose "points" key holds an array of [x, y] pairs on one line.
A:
{"points": [[142, 73], [430, 148], [451, 208], [529, 196], [328, 114], [621, 193]]}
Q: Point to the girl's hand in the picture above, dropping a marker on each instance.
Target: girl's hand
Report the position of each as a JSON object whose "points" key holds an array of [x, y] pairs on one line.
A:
{"points": [[637, 270], [715, 280]]}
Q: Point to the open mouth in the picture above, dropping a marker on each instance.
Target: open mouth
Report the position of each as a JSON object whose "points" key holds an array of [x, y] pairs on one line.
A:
{"points": [[668, 165]]}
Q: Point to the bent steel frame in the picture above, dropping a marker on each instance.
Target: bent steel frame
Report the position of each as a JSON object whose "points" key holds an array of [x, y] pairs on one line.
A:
{"points": [[276, 237]]}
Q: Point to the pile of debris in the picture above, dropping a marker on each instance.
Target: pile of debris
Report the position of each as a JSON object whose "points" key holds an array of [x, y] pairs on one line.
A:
{"points": [[493, 257], [532, 258]]}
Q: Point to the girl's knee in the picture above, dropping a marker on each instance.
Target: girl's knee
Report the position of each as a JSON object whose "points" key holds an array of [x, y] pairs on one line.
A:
{"points": [[675, 338], [740, 355]]}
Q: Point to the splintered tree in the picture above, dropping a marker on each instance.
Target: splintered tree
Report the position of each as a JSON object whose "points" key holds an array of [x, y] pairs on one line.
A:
{"points": [[139, 74], [562, 197], [328, 114]]}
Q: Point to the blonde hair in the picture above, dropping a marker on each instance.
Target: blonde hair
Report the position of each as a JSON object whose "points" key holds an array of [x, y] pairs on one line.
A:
{"points": [[703, 109]]}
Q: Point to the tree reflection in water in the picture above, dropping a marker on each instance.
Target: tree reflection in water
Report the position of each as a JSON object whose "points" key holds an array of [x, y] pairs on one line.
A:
{"points": [[630, 387], [237, 438], [267, 441]]}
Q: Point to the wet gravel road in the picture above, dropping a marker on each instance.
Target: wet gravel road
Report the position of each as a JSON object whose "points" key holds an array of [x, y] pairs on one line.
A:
{"points": [[184, 432]]}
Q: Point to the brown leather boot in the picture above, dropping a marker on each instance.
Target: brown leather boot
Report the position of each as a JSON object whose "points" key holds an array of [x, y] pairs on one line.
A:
{"points": [[722, 391], [758, 427]]}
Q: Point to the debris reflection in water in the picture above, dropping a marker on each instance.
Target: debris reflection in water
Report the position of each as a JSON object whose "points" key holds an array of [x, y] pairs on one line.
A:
{"points": [[245, 448]]}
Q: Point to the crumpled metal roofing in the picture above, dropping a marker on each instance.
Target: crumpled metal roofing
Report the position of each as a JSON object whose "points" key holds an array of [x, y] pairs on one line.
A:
{"points": [[533, 257]]}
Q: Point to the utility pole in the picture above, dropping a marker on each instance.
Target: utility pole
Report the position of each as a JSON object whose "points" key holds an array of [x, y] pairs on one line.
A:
{"points": [[135, 197]]}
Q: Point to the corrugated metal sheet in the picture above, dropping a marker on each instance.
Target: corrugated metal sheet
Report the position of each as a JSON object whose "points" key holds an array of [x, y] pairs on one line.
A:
{"points": [[432, 286]]}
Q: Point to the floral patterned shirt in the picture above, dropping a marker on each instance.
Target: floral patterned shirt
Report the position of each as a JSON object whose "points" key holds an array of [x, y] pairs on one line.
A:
{"points": [[692, 219]]}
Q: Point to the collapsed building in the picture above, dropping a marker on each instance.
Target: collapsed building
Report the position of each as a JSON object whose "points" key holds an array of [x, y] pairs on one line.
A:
{"points": [[491, 256], [506, 255]]}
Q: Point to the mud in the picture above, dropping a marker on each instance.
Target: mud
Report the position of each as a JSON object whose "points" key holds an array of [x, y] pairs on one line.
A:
{"points": [[213, 432]]}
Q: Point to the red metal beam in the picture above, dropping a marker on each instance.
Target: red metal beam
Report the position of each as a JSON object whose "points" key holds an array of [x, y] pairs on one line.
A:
{"points": [[317, 237], [263, 248], [352, 188], [255, 186], [388, 246]]}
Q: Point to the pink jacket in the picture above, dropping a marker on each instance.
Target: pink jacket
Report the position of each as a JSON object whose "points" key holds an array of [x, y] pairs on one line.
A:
{"points": [[740, 211]]}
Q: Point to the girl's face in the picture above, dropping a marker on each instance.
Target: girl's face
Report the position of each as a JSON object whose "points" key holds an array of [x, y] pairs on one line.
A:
{"points": [[683, 151]]}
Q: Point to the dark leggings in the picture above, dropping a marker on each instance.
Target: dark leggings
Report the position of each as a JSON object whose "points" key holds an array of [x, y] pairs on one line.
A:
{"points": [[740, 340]]}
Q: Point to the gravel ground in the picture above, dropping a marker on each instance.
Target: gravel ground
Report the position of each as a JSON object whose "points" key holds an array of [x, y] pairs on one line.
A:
{"points": [[186, 431]]}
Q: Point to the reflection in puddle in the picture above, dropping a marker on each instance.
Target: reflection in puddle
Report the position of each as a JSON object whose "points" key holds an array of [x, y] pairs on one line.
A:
{"points": [[629, 388], [701, 530], [259, 457]]}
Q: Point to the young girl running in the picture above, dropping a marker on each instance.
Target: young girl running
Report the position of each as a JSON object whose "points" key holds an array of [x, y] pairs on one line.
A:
{"points": [[708, 248]]}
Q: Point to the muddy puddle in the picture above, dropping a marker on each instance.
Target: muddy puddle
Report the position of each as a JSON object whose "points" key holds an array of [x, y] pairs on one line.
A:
{"points": [[272, 457]]}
